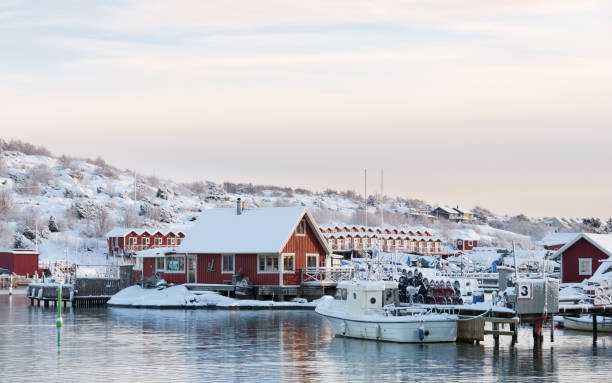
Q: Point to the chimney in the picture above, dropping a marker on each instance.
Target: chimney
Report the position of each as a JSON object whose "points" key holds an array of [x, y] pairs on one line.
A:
{"points": [[238, 206]]}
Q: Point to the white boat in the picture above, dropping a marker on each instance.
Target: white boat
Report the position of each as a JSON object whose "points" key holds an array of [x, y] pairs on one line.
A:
{"points": [[370, 310], [585, 323]]}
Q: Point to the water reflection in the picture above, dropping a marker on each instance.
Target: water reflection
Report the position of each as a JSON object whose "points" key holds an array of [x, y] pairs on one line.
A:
{"points": [[292, 346]]}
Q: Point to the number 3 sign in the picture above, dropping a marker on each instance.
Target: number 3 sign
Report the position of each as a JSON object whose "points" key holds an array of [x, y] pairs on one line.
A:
{"points": [[524, 290]]}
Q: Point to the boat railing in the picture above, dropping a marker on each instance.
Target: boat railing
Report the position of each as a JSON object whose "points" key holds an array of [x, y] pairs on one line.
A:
{"points": [[417, 310]]}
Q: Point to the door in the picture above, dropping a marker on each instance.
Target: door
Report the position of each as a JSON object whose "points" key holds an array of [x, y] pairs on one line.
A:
{"points": [[191, 268]]}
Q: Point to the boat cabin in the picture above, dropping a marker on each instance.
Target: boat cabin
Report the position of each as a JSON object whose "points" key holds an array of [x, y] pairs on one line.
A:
{"points": [[365, 297]]}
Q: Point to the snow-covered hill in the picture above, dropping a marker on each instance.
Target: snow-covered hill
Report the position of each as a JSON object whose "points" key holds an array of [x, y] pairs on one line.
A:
{"points": [[66, 205]]}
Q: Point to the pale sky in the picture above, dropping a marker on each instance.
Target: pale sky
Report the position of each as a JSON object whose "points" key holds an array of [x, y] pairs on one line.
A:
{"points": [[503, 104]]}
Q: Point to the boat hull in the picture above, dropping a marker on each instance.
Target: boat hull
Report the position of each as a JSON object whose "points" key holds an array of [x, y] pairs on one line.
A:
{"points": [[587, 325], [396, 331]]}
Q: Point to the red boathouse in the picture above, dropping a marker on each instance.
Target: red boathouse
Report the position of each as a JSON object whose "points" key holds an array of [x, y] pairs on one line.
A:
{"points": [[20, 261], [269, 246], [581, 256]]}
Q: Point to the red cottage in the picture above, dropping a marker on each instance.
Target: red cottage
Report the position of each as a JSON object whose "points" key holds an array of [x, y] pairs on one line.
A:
{"points": [[555, 241], [19, 261], [581, 256], [270, 246]]}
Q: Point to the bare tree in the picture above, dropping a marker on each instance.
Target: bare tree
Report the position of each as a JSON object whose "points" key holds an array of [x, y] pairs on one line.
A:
{"points": [[3, 168], [41, 174], [130, 218], [103, 223], [7, 204]]}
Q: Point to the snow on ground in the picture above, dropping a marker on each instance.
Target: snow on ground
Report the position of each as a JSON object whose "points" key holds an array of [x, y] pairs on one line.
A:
{"points": [[180, 296], [71, 189]]}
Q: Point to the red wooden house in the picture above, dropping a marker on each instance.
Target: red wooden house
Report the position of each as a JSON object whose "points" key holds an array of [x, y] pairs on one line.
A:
{"points": [[270, 246], [127, 241], [581, 256], [20, 261]]}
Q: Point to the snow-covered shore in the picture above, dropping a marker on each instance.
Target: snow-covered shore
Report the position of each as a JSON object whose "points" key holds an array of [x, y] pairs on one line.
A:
{"points": [[179, 297]]}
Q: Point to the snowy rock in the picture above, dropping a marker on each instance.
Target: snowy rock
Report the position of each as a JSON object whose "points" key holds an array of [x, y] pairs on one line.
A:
{"points": [[163, 193], [53, 225], [68, 193], [100, 189]]}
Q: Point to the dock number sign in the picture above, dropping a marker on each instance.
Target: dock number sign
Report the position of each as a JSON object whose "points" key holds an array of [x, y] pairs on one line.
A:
{"points": [[525, 290]]}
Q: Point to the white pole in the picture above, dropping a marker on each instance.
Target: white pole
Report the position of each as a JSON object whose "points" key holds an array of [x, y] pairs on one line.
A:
{"points": [[382, 200], [515, 264]]}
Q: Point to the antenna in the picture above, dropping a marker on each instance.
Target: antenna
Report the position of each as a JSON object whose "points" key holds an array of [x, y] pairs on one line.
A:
{"points": [[365, 195], [382, 200]]}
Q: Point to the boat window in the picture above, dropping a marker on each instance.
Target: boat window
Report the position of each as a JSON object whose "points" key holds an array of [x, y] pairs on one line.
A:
{"points": [[340, 294], [354, 295], [373, 300]]}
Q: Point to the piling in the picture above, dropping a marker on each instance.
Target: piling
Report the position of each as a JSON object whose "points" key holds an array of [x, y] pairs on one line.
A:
{"points": [[552, 328], [594, 328]]}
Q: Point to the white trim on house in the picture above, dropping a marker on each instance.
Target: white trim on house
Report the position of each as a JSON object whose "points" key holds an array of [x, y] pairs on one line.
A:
{"points": [[176, 271], [589, 261], [316, 259], [233, 263], [592, 239], [287, 255], [272, 256]]}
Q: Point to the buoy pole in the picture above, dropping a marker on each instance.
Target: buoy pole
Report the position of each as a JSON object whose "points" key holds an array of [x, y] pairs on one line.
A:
{"points": [[58, 323]]}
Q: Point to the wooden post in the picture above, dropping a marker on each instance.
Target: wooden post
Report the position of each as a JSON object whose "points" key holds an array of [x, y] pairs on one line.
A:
{"points": [[552, 327], [496, 336], [594, 328], [514, 329]]}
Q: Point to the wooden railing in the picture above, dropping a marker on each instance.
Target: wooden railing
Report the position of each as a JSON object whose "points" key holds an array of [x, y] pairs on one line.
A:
{"points": [[326, 275]]}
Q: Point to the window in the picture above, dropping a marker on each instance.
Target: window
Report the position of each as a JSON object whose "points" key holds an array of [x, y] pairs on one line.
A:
{"points": [[470, 243], [288, 263], [585, 266], [159, 264], [268, 264], [171, 241], [133, 241], [228, 264], [179, 240], [301, 228], [145, 241], [312, 260], [158, 241], [175, 264]]}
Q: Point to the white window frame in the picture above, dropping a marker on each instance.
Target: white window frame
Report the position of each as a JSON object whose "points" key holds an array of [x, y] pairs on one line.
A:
{"points": [[130, 241], [223, 271], [175, 271], [158, 239], [259, 256], [583, 272], [171, 241], [297, 229], [316, 255], [288, 255], [470, 243], [163, 269], [146, 241]]}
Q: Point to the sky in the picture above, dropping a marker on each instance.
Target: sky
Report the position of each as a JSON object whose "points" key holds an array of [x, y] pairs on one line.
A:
{"points": [[502, 104]]}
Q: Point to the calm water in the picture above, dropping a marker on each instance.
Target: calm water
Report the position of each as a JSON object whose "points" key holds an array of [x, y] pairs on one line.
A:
{"points": [[116, 344]]}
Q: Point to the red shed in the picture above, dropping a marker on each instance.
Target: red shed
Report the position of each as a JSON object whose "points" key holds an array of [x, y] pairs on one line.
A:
{"points": [[581, 256], [270, 246], [20, 261], [467, 244]]}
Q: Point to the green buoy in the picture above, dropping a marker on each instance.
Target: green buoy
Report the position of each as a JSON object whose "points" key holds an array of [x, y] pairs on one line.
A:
{"points": [[59, 321]]}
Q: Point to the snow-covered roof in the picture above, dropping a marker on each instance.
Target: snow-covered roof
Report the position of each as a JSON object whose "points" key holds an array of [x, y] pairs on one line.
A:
{"points": [[155, 252], [260, 230], [557, 238], [20, 251], [602, 241], [123, 231]]}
